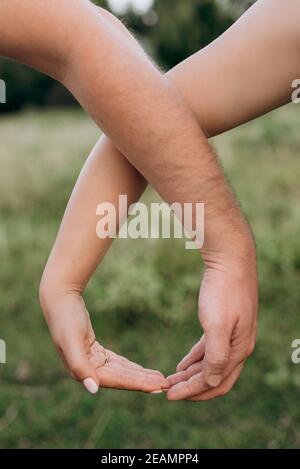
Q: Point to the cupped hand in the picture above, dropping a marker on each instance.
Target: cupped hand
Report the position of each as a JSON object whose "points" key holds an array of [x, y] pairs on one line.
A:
{"points": [[228, 315], [88, 361]]}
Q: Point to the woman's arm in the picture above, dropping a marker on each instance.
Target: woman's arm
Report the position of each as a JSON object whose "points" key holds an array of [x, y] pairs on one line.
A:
{"points": [[246, 72], [218, 103]]}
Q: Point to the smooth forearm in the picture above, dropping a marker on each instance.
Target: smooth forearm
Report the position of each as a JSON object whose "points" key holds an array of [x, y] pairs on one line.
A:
{"points": [[78, 250], [236, 78]]}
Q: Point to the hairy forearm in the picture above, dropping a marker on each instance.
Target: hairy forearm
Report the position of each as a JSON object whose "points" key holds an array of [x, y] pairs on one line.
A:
{"points": [[257, 59], [150, 123]]}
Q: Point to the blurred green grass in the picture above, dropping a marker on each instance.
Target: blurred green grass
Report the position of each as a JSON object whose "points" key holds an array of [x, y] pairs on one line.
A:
{"points": [[143, 299]]}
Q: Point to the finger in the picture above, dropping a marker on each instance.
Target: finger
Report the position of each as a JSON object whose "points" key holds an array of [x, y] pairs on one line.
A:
{"points": [[119, 377], [119, 367], [129, 364], [196, 354], [187, 389], [236, 360], [217, 352], [185, 375], [241, 347], [224, 388], [77, 362], [123, 360]]}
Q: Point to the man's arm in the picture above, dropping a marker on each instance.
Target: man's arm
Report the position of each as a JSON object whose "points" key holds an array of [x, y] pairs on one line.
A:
{"points": [[129, 99]]}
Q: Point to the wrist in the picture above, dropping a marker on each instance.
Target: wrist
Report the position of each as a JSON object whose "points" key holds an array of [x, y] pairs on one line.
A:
{"points": [[232, 247], [52, 294]]}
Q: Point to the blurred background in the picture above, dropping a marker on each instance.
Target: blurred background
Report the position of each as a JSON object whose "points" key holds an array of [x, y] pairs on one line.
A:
{"points": [[143, 306], [170, 31]]}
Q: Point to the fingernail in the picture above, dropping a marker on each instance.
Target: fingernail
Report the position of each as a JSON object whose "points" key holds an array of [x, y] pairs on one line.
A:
{"points": [[156, 392], [214, 380], [90, 385]]}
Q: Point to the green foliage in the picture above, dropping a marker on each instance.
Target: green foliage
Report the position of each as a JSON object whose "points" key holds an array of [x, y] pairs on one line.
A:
{"points": [[179, 29], [183, 28], [143, 299]]}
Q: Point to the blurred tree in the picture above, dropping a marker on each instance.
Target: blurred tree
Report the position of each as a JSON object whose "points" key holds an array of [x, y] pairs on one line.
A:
{"points": [[184, 27], [171, 31], [29, 87], [235, 7]]}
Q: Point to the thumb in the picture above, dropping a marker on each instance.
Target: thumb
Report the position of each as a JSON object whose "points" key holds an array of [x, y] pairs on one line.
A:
{"points": [[217, 350], [76, 359]]}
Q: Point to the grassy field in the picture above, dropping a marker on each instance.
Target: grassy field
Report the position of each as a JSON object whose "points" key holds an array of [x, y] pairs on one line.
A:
{"points": [[143, 299]]}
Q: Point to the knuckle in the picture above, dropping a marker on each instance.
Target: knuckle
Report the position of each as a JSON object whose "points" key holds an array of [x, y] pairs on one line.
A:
{"points": [[184, 375], [216, 318], [198, 379], [217, 362], [190, 387], [189, 374]]}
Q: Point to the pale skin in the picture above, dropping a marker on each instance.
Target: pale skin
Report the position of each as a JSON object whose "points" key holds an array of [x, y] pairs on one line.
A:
{"points": [[159, 130], [108, 173]]}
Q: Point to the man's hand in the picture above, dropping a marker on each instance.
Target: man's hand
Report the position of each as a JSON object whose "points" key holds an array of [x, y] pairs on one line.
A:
{"points": [[228, 314], [86, 360]]}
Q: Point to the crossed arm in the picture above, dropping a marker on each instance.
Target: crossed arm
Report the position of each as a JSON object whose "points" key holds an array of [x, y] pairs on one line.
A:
{"points": [[218, 107], [159, 129]]}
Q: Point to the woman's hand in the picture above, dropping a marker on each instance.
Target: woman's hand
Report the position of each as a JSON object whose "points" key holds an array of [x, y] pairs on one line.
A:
{"points": [[88, 361]]}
